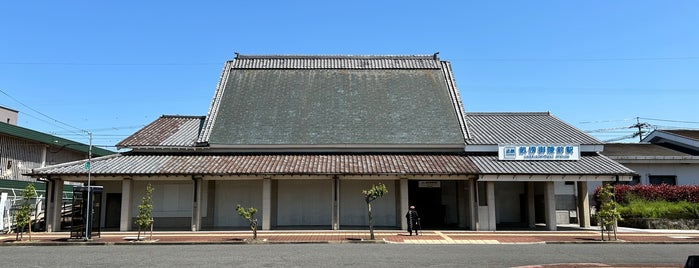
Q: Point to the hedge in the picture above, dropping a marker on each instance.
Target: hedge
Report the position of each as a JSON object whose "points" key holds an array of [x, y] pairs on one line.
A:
{"points": [[663, 192]]}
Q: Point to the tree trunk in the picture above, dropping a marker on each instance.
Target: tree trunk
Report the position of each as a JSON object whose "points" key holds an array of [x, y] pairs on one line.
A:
{"points": [[30, 227], [253, 226], [371, 222]]}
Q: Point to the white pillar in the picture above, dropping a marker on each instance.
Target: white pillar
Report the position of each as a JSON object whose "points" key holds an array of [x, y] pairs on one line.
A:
{"points": [[550, 205], [266, 203], [583, 205], [531, 204], [403, 203], [473, 206], [490, 187], [196, 204], [335, 203], [126, 199], [54, 205]]}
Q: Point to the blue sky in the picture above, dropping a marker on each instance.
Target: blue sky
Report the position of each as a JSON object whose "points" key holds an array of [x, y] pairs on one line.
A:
{"points": [[111, 68]]}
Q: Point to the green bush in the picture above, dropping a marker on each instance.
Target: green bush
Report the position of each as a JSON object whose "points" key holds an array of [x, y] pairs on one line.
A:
{"points": [[639, 208]]}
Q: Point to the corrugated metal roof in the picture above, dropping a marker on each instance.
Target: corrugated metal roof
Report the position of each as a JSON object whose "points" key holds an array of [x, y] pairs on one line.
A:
{"points": [[639, 149], [334, 62], [166, 131], [587, 165], [526, 128], [33, 135], [269, 164]]}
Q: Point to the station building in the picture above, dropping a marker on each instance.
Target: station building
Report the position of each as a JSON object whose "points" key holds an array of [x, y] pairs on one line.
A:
{"points": [[300, 137]]}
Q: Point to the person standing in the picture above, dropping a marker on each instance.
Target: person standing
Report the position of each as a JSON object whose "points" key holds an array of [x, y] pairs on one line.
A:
{"points": [[413, 220]]}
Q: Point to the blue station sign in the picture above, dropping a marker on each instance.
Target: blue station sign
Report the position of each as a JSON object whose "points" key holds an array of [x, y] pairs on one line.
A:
{"points": [[539, 152]]}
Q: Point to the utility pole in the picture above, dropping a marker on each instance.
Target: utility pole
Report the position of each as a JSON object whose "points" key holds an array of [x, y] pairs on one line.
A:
{"points": [[88, 216], [640, 127]]}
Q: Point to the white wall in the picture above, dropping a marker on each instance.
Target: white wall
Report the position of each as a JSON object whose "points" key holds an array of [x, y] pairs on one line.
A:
{"points": [[353, 209], [304, 202], [247, 193], [170, 198]]}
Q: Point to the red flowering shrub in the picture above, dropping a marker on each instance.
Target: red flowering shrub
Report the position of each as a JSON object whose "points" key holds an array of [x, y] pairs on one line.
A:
{"points": [[663, 192]]}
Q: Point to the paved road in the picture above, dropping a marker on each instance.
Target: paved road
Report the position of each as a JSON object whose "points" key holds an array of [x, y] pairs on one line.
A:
{"points": [[338, 255]]}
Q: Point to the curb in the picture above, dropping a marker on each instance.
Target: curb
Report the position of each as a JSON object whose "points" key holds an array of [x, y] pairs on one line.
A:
{"points": [[166, 243]]}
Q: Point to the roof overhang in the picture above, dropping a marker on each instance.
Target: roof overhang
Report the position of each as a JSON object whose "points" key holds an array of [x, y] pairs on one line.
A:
{"points": [[656, 159], [551, 177], [660, 137]]}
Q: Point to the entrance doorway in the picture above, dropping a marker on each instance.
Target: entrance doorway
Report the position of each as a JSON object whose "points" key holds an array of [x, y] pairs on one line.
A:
{"points": [[113, 210], [436, 203]]}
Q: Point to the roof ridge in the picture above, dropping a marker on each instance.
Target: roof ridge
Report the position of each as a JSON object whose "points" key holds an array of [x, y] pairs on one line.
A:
{"points": [[330, 56], [182, 116], [509, 113]]}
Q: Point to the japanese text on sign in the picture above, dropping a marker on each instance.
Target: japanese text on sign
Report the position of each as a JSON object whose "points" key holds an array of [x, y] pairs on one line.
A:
{"points": [[539, 152]]}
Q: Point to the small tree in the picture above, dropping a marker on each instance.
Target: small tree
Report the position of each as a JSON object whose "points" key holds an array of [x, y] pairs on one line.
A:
{"points": [[249, 214], [607, 215], [23, 216], [145, 211], [376, 191]]}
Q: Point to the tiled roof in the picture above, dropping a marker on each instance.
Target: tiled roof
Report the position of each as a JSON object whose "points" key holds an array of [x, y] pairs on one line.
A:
{"points": [[166, 131], [368, 103], [639, 149], [269, 164], [587, 165], [526, 128], [334, 62], [33, 135]]}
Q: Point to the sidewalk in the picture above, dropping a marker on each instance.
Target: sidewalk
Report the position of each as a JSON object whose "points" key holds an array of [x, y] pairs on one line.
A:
{"points": [[624, 235]]}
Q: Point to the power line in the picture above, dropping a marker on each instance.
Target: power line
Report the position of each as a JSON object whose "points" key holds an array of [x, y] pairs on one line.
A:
{"points": [[639, 128], [667, 120], [30, 108], [106, 64], [104, 129], [576, 59]]}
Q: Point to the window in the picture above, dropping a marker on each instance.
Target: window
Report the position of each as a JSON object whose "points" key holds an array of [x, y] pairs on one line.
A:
{"points": [[666, 179], [635, 180]]}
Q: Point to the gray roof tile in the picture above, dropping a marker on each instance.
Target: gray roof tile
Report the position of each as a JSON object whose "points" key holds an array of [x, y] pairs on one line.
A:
{"points": [[587, 165], [166, 131], [377, 100], [269, 164], [334, 62], [524, 128]]}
